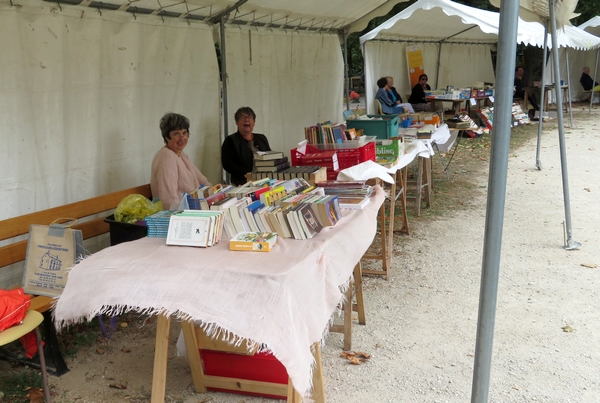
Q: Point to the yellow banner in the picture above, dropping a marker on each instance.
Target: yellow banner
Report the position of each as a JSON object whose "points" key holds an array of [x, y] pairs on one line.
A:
{"points": [[414, 60]]}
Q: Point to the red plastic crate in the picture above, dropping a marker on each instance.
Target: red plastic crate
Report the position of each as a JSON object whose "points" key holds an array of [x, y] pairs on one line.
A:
{"points": [[332, 175], [347, 157], [262, 367]]}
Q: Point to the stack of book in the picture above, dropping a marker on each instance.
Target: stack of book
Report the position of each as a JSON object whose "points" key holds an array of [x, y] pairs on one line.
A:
{"points": [[158, 223], [351, 194], [270, 161], [305, 172], [195, 228]]}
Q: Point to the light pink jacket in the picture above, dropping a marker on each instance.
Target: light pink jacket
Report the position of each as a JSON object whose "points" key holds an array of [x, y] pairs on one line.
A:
{"points": [[173, 175]]}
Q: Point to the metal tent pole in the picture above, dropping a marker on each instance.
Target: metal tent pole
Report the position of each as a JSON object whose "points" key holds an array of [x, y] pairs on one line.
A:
{"points": [[507, 45], [569, 88], [346, 72], [538, 161], [570, 244], [594, 80], [224, 86]]}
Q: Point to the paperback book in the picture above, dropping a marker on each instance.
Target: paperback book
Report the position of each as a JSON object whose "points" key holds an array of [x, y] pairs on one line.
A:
{"points": [[253, 241]]}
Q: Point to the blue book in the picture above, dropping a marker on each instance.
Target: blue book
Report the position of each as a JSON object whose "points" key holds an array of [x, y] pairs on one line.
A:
{"points": [[338, 134], [249, 212]]}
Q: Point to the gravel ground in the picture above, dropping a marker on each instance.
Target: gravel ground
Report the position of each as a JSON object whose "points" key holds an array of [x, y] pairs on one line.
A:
{"points": [[421, 324]]}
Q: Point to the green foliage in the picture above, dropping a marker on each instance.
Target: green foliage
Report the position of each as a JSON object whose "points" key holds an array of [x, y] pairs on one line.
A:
{"points": [[588, 9]]}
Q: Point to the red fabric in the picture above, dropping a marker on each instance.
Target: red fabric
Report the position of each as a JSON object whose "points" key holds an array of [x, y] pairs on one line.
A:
{"points": [[13, 307], [29, 342], [354, 95]]}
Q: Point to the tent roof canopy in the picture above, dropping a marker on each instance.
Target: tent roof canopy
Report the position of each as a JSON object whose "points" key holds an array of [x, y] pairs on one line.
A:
{"points": [[592, 26], [445, 21], [314, 15]]}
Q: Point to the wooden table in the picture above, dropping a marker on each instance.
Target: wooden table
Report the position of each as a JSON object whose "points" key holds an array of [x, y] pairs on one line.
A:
{"points": [[399, 173], [478, 100], [214, 286], [456, 104], [547, 88]]}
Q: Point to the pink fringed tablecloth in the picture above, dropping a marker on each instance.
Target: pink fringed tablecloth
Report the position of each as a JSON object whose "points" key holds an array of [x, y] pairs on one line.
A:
{"points": [[283, 298]]}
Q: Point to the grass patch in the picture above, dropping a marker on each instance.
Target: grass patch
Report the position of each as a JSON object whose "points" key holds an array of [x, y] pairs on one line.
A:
{"points": [[16, 383]]}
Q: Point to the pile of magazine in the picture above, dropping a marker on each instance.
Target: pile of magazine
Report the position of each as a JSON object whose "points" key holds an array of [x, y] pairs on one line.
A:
{"points": [[351, 194]]}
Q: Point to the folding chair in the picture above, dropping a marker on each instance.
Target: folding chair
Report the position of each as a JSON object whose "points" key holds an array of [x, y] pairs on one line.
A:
{"points": [[32, 322], [378, 107]]}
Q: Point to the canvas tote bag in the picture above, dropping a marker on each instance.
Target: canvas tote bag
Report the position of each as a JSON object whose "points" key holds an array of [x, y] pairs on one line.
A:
{"points": [[52, 250]]}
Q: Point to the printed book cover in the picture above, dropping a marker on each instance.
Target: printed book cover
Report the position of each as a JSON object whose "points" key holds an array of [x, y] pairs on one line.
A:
{"points": [[253, 241]]}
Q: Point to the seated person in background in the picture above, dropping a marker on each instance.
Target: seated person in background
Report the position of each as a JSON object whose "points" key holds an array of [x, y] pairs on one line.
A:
{"points": [[520, 93], [172, 171], [417, 96], [237, 151], [383, 97], [395, 97], [586, 81]]}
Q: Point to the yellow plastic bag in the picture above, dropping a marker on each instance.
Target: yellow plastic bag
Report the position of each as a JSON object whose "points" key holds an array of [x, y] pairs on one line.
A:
{"points": [[136, 207]]}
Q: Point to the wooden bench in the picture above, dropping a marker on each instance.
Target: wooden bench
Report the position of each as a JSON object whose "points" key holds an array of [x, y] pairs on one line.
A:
{"points": [[12, 256]]}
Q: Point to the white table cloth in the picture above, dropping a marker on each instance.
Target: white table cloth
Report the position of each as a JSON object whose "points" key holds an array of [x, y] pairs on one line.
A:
{"points": [[283, 298]]}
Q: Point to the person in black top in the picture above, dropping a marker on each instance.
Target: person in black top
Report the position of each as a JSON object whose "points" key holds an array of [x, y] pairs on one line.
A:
{"points": [[586, 81], [520, 92], [417, 96], [237, 151]]}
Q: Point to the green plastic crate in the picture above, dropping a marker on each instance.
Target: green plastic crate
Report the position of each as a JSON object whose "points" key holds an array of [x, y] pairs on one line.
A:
{"points": [[384, 127]]}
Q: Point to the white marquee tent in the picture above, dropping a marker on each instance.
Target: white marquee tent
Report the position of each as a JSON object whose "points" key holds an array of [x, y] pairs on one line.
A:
{"points": [[467, 34], [84, 84], [431, 24]]}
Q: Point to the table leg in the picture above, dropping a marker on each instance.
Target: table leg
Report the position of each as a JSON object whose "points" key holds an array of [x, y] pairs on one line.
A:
{"points": [[358, 291], [348, 318], [292, 395], [159, 374], [402, 180], [419, 185], [318, 392], [428, 181], [390, 231], [193, 353]]}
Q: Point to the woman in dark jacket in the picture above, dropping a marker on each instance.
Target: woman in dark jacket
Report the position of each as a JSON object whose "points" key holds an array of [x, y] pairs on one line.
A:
{"points": [[237, 151], [417, 97]]}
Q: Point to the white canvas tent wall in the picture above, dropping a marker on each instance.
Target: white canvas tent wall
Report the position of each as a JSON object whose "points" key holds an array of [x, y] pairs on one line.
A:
{"points": [[431, 23], [85, 83], [581, 47]]}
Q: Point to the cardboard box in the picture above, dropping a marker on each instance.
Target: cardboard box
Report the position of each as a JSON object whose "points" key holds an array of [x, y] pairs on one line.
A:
{"points": [[389, 148], [430, 119]]}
